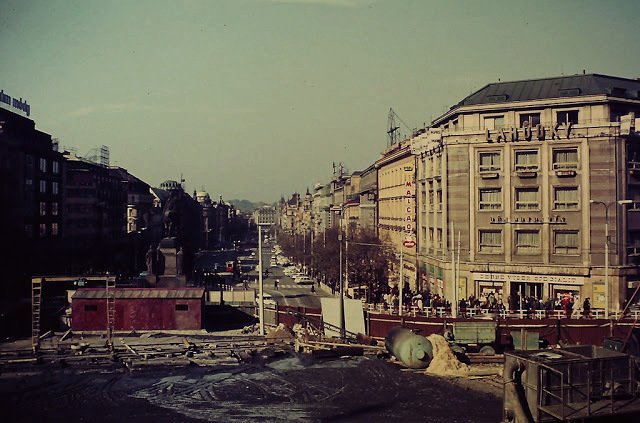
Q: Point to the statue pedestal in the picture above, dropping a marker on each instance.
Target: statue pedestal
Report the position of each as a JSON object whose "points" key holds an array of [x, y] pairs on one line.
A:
{"points": [[170, 277]]}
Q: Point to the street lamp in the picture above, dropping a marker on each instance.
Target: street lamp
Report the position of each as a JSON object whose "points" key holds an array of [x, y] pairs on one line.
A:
{"points": [[606, 248]]}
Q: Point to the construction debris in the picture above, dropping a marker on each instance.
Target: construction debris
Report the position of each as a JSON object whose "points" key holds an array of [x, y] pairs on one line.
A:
{"points": [[444, 362], [280, 332]]}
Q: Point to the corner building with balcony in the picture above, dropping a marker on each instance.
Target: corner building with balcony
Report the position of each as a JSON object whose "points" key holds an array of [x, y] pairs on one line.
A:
{"points": [[515, 183]]}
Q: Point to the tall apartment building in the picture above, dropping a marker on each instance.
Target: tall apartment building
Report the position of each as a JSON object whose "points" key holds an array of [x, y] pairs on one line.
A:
{"points": [[396, 206], [516, 183], [31, 183]]}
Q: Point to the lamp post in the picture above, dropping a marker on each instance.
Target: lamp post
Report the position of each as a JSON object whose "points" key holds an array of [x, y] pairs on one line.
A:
{"points": [[342, 329], [263, 220], [606, 248]]}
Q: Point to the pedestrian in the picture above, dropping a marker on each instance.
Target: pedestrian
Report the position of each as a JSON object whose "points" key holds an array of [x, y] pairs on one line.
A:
{"points": [[586, 308], [275, 284]]}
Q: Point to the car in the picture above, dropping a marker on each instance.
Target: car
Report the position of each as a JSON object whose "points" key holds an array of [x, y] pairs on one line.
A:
{"points": [[305, 281]]}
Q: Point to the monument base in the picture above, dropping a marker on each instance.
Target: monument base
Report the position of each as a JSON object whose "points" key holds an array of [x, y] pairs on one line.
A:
{"points": [[171, 281]]}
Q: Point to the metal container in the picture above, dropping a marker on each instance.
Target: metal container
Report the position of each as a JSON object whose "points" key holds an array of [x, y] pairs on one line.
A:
{"points": [[414, 351], [574, 383]]}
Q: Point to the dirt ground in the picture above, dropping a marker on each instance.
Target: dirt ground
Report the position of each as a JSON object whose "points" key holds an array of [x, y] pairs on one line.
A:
{"points": [[294, 388]]}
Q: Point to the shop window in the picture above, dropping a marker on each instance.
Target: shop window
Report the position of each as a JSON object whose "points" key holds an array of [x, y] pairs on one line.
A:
{"points": [[526, 160], [529, 120], [565, 158], [527, 241], [490, 199], [566, 117], [566, 242], [527, 199], [490, 241], [182, 307], [490, 161], [565, 198]]}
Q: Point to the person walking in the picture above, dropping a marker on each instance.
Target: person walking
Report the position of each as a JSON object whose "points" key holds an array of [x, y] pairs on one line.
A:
{"points": [[275, 284]]}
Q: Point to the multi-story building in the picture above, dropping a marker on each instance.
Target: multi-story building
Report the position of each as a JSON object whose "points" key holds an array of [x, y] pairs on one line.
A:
{"points": [[519, 182], [95, 216], [396, 206], [367, 199], [31, 184], [321, 205]]}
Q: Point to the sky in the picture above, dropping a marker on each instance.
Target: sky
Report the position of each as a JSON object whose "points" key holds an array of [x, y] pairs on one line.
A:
{"points": [[255, 99]]}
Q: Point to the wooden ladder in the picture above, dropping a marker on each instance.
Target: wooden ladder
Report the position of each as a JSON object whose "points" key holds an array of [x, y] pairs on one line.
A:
{"points": [[111, 307], [36, 301]]}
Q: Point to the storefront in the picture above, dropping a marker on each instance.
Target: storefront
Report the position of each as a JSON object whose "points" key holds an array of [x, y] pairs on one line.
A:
{"points": [[523, 285]]}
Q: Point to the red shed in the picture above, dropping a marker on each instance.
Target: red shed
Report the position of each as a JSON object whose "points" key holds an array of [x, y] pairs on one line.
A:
{"points": [[139, 309]]}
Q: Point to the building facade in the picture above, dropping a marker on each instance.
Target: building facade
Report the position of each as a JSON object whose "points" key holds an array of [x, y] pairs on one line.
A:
{"points": [[31, 185], [517, 184], [396, 207]]}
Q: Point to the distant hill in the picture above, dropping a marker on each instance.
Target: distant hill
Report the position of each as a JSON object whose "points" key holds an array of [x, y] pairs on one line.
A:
{"points": [[246, 205]]}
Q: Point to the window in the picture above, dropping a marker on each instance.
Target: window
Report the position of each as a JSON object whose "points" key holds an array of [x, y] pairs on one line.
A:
{"points": [[28, 231], [439, 199], [54, 187], [431, 199], [527, 241], [568, 116], [43, 229], [54, 229], [43, 187], [90, 307], [565, 198], [490, 161], [527, 199], [490, 241], [29, 183], [493, 122], [29, 161], [43, 208], [529, 120], [43, 165], [439, 238], [54, 209], [565, 158], [55, 167], [527, 160], [490, 198], [454, 125], [431, 235], [182, 307], [566, 242]]}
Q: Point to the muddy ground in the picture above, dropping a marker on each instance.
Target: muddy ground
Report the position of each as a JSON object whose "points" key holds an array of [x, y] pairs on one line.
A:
{"points": [[294, 388]]}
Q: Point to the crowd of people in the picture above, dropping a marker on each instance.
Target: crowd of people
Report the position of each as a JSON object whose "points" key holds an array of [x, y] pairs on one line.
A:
{"points": [[488, 303]]}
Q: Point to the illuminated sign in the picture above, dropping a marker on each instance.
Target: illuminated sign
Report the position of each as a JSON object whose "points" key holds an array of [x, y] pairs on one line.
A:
{"points": [[15, 103]]}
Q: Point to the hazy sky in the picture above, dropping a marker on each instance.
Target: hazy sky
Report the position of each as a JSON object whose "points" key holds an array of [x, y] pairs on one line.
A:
{"points": [[256, 98]]}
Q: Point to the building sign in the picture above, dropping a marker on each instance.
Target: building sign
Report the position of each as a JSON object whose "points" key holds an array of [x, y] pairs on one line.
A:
{"points": [[553, 220], [21, 105], [537, 133], [427, 141], [514, 277]]}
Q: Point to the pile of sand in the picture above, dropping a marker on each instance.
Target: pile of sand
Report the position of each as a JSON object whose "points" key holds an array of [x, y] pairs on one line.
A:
{"points": [[444, 361]]}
